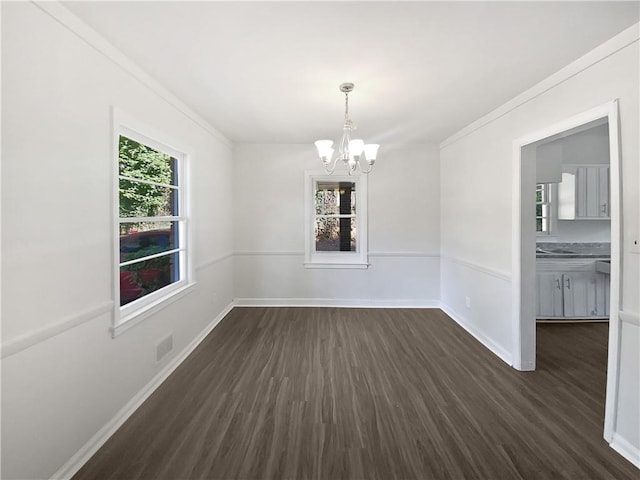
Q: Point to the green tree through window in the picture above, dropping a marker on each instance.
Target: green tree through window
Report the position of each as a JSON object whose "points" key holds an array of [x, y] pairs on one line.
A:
{"points": [[146, 172]]}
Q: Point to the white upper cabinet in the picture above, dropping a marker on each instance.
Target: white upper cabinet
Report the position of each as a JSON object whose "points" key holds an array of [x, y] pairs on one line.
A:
{"points": [[592, 192], [583, 193]]}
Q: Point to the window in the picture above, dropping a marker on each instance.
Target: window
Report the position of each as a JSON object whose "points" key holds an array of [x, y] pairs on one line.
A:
{"points": [[336, 221], [151, 225], [543, 208]]}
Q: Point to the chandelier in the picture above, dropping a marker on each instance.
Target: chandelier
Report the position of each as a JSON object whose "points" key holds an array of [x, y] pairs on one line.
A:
{"points": [[353, 153]]}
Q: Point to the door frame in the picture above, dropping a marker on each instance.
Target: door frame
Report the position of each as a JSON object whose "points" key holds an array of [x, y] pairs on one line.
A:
{"points": [[523, 249]]}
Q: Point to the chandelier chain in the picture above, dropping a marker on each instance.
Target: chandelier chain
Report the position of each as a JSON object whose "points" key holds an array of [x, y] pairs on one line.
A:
{"points": [[346, 106]]}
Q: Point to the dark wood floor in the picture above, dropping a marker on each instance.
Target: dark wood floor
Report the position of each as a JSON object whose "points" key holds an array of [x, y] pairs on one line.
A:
{"points": [[325, 393]]}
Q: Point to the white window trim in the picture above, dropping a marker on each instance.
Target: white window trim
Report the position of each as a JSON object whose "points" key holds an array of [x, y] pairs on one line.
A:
{"points": [[125, 317], [553, 210], [343, 260]]}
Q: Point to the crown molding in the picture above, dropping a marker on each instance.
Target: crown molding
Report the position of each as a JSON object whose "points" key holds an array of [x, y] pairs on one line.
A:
{"points": [[83, 31], [610, 47]]}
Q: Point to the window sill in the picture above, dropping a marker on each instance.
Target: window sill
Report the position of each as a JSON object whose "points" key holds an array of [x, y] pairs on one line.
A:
{"points": [[361, 266], [134, 318]]}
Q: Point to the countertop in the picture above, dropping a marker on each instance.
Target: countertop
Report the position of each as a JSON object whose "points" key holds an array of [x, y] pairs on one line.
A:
{"points": [[573, 250]]}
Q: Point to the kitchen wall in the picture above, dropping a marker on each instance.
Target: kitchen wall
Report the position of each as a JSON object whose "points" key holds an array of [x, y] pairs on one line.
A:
{"points": [[588, 147], [581, 231], [268, 208], [476, 217], [64, 378]]}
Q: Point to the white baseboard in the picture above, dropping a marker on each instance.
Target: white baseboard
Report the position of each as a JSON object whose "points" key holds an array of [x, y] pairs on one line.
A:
{"points": [[626, 449], [98, 440], [496, 349], [336, 302]]}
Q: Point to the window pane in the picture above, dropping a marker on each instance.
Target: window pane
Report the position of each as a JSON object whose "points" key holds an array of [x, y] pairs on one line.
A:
{"points": [[139, 161], [538, 195], [335, 234], [333, 198], [538, 210], [140, 279], [139, 240], [143, 200], [538, 225]]}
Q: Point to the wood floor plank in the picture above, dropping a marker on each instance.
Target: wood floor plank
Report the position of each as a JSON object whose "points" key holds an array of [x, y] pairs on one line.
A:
{"points": [[328, 393]]}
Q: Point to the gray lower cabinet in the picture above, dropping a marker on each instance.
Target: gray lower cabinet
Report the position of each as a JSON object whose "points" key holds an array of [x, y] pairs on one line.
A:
{"points": [[550, 295], [574, 294]]}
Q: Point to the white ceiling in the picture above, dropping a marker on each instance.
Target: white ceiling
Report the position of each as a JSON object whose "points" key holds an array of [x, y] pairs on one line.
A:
{"points": [[268, 72]]}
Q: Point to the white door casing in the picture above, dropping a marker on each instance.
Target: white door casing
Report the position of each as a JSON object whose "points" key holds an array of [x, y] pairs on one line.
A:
{"points": [[523, 248]]}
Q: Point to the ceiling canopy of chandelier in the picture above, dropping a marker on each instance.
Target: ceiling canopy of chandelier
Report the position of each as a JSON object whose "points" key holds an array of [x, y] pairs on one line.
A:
{"points": [[353, 152]]}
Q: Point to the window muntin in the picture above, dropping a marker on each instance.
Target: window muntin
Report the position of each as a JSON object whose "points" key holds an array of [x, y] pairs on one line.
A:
{"points": [[543, 208], [336, 221], [151, 224]]}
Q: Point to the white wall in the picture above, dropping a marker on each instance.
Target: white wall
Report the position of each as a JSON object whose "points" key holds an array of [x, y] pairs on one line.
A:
{"points": [[476, 216], [63, 376], [268, 208]]}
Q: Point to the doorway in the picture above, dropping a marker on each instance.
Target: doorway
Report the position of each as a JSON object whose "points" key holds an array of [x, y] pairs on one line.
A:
{"points": [[524, 239]]}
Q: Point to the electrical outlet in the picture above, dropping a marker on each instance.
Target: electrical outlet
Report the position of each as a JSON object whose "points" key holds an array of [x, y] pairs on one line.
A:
{"points": [[163, 347], [467, 302]]}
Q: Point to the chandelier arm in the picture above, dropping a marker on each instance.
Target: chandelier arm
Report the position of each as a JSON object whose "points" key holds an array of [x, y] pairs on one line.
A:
{"points": [[329, 171], [363, 170]]}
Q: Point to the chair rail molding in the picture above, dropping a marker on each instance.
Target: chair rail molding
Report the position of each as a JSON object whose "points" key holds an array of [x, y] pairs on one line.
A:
{"points": [[26, 340]]}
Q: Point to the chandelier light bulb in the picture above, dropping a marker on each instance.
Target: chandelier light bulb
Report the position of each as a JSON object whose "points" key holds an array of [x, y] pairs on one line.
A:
{"points": [[324, 150], [356, 148], [371, 152]]}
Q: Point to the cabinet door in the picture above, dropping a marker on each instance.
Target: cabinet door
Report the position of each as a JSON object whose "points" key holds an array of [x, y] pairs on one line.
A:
{"points": [[592, 192], [579, 294], [549, 302], [602, 294], [586, 192], [603, 192]]}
